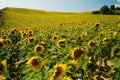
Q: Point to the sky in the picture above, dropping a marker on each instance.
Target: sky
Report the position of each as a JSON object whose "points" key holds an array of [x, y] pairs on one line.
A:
{"points": [[59, 5]]}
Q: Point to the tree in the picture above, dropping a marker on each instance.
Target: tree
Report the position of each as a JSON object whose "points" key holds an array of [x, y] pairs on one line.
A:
{"points": [[104, 10], [112, 7]]}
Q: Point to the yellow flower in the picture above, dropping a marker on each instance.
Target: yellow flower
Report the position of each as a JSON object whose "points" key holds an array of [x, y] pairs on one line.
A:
{"points": [[39, 49], [59, 72], [2, 77], [1, 43], [55, 37], [78, 52], [8, 41], [61, 43], [35, 64], [106, 40], [24, 35], [97, 24], [31, 40], [92, 43], [4, 66], [14, 31], [79, 38]]}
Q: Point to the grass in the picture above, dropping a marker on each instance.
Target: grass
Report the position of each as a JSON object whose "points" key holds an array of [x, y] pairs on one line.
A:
{"points": [[58, 46]]}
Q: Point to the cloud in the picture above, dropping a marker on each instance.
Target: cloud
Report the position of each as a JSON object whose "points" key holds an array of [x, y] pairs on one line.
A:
{"points": [[118, 1], [118, 4]]}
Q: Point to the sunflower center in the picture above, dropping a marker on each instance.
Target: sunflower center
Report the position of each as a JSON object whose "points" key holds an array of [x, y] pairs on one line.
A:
{"points": [[1, 44], [38, 48], [31, 40], [35, 62], [58, 72], [55, 37], [78, 53], [62, 42], [92, 44]]}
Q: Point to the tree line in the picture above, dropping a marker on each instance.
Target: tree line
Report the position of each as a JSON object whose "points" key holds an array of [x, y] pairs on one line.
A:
{"points": [[108, 10]]}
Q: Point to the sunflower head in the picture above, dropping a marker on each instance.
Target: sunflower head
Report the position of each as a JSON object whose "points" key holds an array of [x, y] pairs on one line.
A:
{"points": [[55, 37], [9, 42], [92, 43], [14, 31], [30, 33], [39, 49], [79, 38], [35, 64], [78, 52], [24, 34], [106, 40], [97, 24], [59, 72], [61, 43], [31, 40]]}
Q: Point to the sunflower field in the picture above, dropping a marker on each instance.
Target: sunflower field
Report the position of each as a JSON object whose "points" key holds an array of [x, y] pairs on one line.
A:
{"points": [[40, 45]]}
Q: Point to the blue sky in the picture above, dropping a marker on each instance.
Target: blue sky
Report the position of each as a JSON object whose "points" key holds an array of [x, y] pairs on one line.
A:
{"points": [[58, 5]]}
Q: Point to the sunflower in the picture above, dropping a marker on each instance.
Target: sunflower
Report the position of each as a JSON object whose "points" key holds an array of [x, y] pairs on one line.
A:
{"points": [[14, 31], [3, 66], [24, 34], [59, 72], [79, 38], [9, 42], [97, 24], [78, 52], [39, 49], [30, 33], [35, 64], [92, 43], [106, 40], [31, 40], [55, 37], [101, 34], [61, 43], [1, 43], [2, 77]]}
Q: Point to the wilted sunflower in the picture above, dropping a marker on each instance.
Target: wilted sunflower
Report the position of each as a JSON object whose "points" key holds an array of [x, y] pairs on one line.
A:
{"points": [[78, 52], [1, 43], [92, 43], [2, 77], [59, 72], [39, 49], [61, 43], [55, 37], [31, 40], [35, 64], [3, 66]]}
